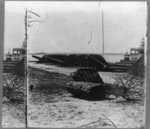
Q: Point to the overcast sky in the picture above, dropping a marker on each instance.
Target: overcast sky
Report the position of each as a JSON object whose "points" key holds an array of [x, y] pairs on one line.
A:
{"points": [[76, 27]]}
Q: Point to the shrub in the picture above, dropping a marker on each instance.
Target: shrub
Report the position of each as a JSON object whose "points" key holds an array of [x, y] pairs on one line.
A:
{"points": [[128, 86], [13, 87]]}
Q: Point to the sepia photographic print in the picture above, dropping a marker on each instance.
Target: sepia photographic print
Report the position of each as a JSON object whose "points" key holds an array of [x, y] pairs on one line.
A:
{"points": [[78, 64]]}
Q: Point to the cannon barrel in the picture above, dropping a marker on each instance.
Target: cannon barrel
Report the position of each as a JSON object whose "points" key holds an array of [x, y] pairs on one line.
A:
{"points": [[36, 57]]}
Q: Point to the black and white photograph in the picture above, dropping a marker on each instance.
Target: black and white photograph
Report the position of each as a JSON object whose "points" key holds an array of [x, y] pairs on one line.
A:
{"points": [[74, 64]]}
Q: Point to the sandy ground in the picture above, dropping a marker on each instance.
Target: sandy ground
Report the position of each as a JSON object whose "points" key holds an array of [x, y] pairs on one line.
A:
{"points": [[72, 113], [106, 76], [53, 107], [52, 68], [13, 115]]}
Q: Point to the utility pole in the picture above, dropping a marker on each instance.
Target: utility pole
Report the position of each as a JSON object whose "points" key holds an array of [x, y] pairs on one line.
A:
{"points": [[26, 27], [28, 20], [24, 46]]}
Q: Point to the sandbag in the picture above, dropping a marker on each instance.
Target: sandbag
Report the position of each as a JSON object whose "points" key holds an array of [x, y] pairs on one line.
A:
{"points": [[88, 89], [87, 75]]}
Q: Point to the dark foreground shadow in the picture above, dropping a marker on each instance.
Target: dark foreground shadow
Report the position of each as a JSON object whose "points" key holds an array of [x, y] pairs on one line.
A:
{"points": [[130, 101], [91, 98], [15, 101]]}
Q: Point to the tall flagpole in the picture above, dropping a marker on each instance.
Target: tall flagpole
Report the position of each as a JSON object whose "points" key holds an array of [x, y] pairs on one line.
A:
{"points": [[103, 40]]}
